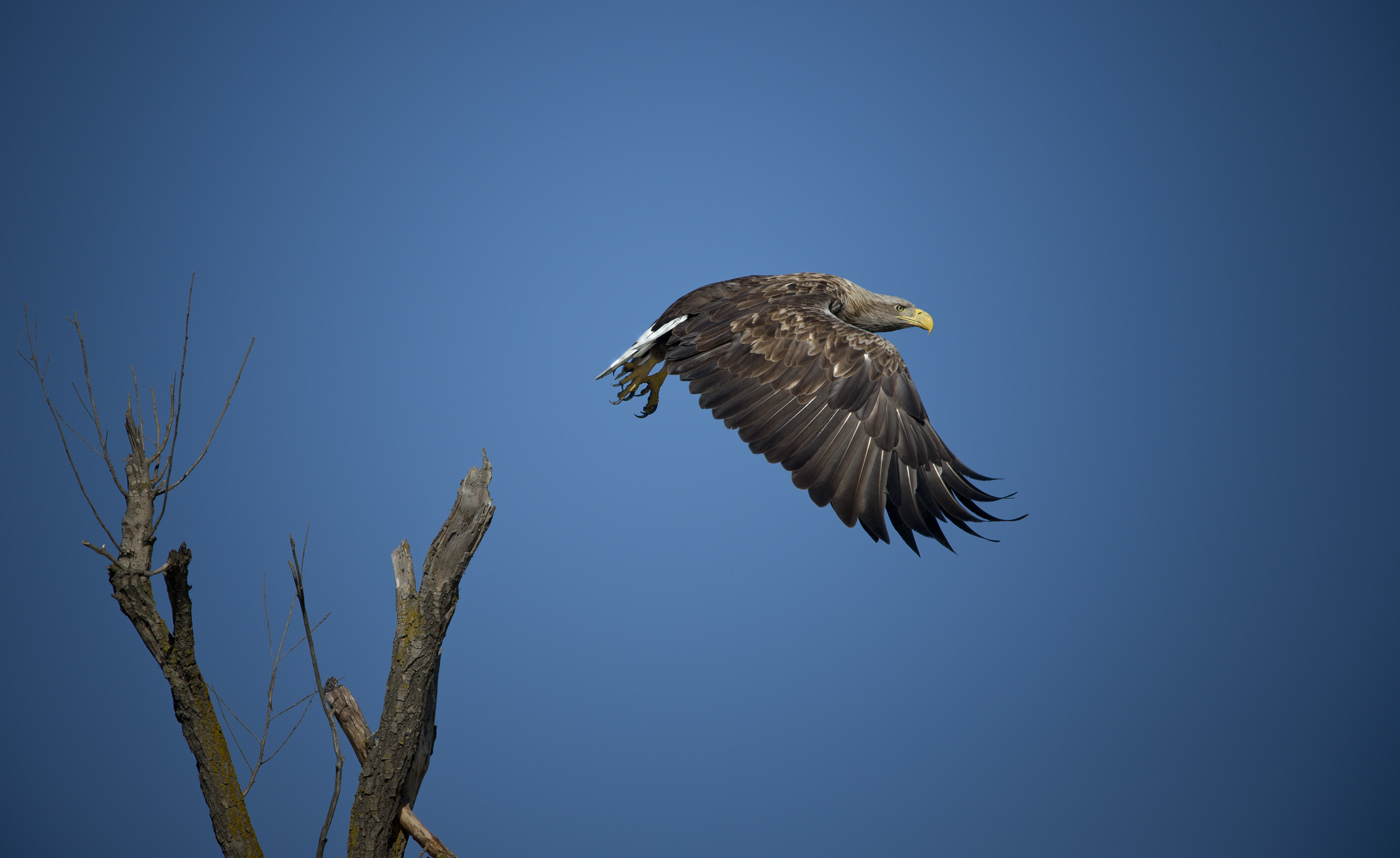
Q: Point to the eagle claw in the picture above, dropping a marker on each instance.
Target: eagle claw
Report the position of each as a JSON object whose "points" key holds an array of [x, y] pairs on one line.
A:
{"points": [[636, 381]]}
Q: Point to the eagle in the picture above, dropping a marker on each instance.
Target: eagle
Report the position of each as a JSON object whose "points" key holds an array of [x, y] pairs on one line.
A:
{"points": [[795, 363]]}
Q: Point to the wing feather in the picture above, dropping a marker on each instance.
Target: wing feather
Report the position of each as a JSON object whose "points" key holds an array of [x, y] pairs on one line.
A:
{"points": [[824, 451], [745, 408], [765, 428], [873, 480], [805, 442], [901, 505], [838, 482]]}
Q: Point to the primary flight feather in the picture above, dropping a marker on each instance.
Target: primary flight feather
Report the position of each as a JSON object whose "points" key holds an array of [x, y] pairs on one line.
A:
{"points": [[795, 364]]}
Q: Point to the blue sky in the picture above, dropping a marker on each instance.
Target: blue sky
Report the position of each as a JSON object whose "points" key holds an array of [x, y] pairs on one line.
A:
{"points": [[1159, 246]]}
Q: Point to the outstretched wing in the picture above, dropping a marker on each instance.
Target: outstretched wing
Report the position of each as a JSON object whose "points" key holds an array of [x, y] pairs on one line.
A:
{"points": [[834, 405]]}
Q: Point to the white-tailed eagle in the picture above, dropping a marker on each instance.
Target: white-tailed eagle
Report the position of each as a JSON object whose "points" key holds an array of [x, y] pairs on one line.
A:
{"points": [[795, 364]]}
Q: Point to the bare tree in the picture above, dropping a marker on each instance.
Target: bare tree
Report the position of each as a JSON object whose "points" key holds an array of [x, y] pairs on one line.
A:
{"points": [[394, 758]]}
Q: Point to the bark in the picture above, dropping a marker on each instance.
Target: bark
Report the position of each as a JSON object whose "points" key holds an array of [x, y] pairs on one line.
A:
{"points": [[397, 759], [352, 721], [173, 650]]}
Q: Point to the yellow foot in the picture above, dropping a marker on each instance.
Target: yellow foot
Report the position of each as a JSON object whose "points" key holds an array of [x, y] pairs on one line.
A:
{"points": [[637, 381]]}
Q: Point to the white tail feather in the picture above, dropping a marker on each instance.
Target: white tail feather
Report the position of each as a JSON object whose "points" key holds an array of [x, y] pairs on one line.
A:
{"points": [[649, 336]]}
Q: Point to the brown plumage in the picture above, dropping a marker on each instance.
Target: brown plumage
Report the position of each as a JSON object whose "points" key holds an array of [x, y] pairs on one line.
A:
{"points": [[794, 364]]}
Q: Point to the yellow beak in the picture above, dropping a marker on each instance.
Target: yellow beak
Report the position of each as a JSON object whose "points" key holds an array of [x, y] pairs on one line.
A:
{"points": [[915, 316]]}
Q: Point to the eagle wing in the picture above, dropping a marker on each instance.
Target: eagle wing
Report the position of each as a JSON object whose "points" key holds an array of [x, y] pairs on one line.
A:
{"points": [[833, 404]]}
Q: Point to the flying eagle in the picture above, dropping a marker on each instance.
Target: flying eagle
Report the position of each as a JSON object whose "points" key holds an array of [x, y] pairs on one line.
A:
{"points": [[794, 362]]}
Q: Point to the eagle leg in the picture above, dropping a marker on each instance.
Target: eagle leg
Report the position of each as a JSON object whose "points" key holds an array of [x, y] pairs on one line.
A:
{"points": [[640, 379]]}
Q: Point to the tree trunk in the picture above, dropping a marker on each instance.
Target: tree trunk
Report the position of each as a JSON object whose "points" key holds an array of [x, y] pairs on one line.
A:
{"points": [[130, 577]]}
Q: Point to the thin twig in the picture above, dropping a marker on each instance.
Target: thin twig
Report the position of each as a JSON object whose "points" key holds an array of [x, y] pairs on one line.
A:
{"points": [[79, 394], [180, 379], [33, 360], [177, 402], [294, 704], [234, 715], [227, 712], [270, 716], [298, 644], [155, 416], [296, 565], [267, 617], [230, 716], [71, 428], [102, 550], [304, 710], [177, 399], [92, 400], [191, 468], [169, 423], [140, 415]]}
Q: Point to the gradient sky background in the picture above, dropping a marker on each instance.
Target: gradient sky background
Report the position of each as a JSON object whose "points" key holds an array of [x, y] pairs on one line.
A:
{"points": [[1162, 249]]}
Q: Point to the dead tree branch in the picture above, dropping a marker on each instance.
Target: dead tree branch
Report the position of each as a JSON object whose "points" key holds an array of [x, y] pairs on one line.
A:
{"points": [[397, 758], [270, 714], [130, 574], [296, 566]]}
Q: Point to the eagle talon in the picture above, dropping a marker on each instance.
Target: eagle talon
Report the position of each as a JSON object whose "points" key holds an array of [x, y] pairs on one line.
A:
{"points": [[650, 407], [636, 381]]}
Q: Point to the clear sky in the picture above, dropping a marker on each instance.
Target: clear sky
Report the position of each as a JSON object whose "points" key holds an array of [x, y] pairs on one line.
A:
{"points": [[1159, 242]]}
